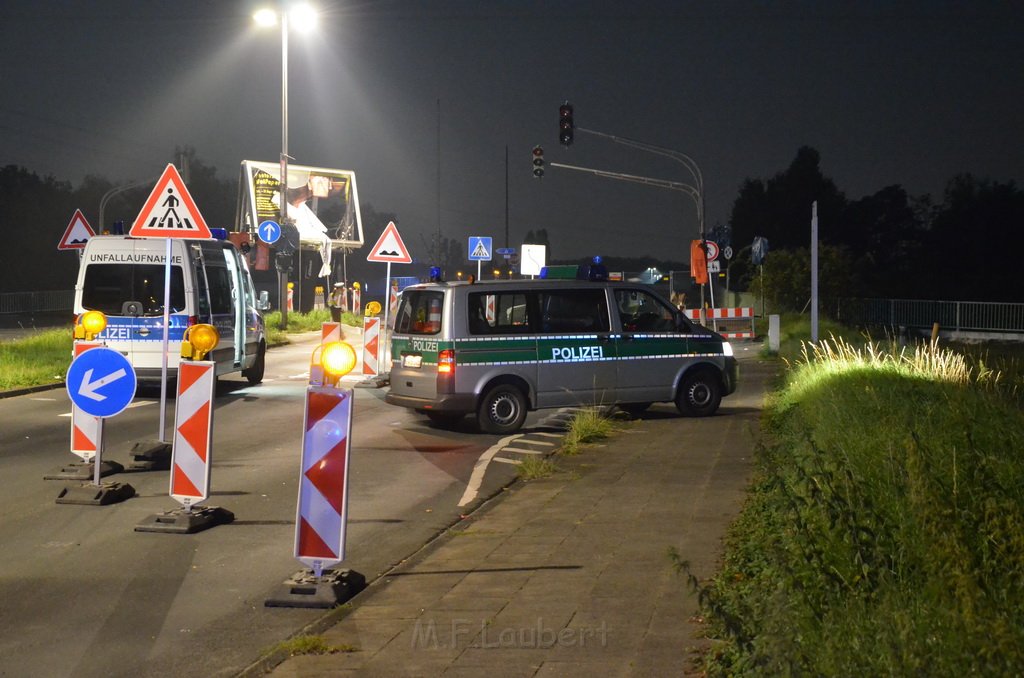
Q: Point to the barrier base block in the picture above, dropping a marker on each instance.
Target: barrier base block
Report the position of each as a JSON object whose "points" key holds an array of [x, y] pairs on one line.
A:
{"points": [[334, 588], [374, 381], [96, 495], [85, 470], [183, 521], [150, 455]]}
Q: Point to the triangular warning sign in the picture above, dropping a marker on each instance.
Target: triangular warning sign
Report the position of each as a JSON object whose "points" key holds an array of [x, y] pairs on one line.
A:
{"points": [[480, 251], [77, 233], [169, 211], [390, 248]]}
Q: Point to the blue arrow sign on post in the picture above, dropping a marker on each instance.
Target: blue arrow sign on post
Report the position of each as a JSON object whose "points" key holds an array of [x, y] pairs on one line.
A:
{"points": [[479, 248], [101, 382], [269, 231]]}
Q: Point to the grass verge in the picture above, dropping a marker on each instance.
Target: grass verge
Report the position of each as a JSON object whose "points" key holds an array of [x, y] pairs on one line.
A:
{"points": [[302, 322], [884, 532], [40, 359], [302, 645]]}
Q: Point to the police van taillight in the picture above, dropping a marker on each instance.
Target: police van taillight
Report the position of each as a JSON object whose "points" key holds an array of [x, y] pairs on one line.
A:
{"points": [[446, 361]]}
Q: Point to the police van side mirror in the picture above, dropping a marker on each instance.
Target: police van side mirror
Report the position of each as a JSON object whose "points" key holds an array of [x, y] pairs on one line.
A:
{"points": [[264, 301]]}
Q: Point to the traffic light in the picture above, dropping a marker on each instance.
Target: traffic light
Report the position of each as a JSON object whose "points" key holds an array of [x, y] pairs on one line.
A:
{"points": [[538, 162], [566, 126]]}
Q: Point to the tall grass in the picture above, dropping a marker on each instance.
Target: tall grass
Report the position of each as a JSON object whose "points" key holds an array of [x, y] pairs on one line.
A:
{"points": [[885, 531], [42, 358]]}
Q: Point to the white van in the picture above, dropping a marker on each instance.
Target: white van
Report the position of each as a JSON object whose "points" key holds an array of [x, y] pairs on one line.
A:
{"points": [[498, 349], [210, 283]]}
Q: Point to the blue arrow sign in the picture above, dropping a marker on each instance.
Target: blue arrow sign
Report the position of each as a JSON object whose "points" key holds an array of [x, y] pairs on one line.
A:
{"points": [[101, 382], [479, 248], [269, 231], [506, 251]]}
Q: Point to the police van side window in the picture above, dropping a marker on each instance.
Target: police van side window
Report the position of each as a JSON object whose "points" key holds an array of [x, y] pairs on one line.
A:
{"points": [[220, 290], [420, 312], [571, 311], [640, 311], [498, 313]]}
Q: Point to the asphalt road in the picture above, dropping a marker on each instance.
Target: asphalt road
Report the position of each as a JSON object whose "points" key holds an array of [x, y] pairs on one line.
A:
{"points": [[84, 594]]}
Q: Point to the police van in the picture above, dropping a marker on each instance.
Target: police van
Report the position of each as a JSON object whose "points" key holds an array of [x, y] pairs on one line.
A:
{"points": [[499, 349], [210, 283]]}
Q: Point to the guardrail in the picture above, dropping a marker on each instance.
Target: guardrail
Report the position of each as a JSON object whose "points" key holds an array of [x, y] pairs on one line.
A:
{"points": [[958, 316], [36, 302]]}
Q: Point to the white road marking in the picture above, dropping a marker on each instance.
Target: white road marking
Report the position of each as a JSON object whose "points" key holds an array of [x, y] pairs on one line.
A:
{"points": [[522, 451], [480, 468], [503, 460]]}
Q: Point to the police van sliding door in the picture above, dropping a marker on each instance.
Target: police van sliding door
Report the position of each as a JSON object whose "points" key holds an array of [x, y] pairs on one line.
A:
{"points": [[219, 288], [574, 348]]}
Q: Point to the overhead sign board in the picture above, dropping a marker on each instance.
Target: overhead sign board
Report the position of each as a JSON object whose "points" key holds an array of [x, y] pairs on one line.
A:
{"points": [[76, 234], [479, 248], [101, 382], [170, 212], [390, 248]]}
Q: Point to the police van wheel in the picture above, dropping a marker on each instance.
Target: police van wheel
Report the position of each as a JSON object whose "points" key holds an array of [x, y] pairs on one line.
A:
{"points": [[254, 374], [700, 394], [502, 410]]}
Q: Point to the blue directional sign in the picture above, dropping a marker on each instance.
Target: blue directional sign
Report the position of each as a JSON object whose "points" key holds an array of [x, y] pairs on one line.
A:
{"points": [[506, 251], [479, 248], [101, 382], [269, 231]]}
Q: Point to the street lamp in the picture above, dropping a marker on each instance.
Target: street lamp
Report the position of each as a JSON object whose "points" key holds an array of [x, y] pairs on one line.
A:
{"points": [[302, 17]]}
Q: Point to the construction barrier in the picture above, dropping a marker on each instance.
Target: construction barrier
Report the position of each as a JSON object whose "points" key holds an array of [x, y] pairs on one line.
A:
{"points": [[743, 313], [357, 303], [193, 432], [323, 483], [86, 430], [371, 345], [330, 331], [393, 299]]}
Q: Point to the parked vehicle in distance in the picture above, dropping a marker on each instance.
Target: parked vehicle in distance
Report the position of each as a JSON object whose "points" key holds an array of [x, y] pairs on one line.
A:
{"points": [[210, 283], [499, 349]]}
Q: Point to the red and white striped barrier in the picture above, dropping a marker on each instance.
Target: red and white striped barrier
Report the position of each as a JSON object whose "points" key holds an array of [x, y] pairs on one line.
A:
{"points": [[740, 313], [86, 430], [357, 303], [371, 345], [393, 299], [330, 331], [193, 432], [323, 482]]}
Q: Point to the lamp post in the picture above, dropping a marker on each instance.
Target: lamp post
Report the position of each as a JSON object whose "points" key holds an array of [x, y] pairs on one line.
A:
{"points": [[303, 17]]}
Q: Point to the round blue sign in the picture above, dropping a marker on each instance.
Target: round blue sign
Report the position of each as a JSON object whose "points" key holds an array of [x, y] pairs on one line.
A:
{"points": [[101, 382], [269, 231]]}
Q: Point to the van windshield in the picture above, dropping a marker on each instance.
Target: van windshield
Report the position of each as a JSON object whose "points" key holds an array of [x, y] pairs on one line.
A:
{"points": [[131, 289]]}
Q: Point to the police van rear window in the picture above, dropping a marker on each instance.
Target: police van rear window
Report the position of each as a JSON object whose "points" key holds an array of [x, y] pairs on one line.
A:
{"points": [[117, 289], [420, 312]]}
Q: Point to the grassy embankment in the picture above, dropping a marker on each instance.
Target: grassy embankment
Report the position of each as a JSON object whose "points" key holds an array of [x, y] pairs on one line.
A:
{"points": [[44, 357], [884, 533]]}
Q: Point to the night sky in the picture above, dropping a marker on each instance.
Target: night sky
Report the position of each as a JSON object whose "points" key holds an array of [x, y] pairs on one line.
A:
{"points": [[909, 92]]}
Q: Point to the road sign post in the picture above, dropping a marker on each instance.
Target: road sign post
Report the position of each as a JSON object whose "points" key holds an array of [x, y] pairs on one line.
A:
{"points": [[101, 383], [389, 249]]}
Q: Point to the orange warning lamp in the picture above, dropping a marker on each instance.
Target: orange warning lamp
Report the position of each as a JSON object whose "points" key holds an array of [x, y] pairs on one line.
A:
{"points": [[334, 361], [199, 340], [373, 308], [89, 324]]}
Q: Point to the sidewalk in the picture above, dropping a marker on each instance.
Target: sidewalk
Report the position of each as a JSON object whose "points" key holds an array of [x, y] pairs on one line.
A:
{"points": [[569, 575]]}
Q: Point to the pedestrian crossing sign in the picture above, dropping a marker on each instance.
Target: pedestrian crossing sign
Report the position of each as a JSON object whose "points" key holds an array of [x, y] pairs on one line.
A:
{"points": [[479, 248], [170, 212]]}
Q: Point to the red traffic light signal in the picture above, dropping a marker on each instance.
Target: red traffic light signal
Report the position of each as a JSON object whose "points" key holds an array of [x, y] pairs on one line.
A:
{"points": [[538, 162], [566, 126]]}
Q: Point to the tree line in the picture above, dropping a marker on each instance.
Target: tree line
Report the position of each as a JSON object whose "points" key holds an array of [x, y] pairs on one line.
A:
{"points": [[962, 246]]}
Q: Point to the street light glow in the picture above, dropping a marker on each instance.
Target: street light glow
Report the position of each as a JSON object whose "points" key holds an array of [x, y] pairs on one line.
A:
{"points": [[265, 17], [302, 17]]}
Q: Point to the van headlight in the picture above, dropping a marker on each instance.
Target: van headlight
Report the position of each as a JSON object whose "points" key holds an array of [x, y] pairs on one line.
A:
{"points": [[727, 349]]}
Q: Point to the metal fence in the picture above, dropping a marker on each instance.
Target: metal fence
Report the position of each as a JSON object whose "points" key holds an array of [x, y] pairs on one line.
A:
{"points": [[37, 302], [973, 316]]}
